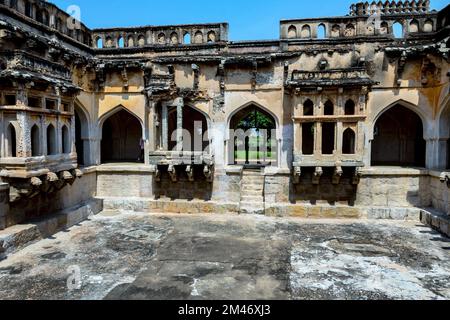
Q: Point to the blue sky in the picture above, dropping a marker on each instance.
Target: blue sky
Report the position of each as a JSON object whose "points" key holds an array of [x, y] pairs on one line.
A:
{"points": [[248, 19]]}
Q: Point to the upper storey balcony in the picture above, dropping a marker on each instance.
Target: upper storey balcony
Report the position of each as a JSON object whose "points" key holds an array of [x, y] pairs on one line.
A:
{"points": [[414, 19], [47, 16], [161, 36]]}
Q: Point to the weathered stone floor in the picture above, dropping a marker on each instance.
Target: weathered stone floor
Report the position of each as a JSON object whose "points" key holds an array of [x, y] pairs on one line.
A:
{"points": [[138, 256]]}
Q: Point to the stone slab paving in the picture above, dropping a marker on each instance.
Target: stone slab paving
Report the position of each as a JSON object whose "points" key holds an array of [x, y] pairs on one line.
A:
{"points": [[141, 256]]}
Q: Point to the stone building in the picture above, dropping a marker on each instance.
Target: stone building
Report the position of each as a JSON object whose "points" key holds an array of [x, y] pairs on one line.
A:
{"points": [[352, 116]]}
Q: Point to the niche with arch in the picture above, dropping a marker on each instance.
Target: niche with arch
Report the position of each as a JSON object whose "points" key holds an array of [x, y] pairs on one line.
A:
{"points": [[306, 31], [349, 141], [198, 38], [350, 108], [35, 141], [11, 141], [292, 32], [52, 147], [308, 108], [65, 135], [328, 108], [174, 38], [212, 36]]}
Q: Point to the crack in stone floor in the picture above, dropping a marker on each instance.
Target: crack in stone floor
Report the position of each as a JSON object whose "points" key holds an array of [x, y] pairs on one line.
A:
{"points": [[139, 256]]}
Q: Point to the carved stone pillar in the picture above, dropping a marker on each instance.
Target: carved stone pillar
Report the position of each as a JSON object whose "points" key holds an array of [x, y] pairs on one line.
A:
{"points": [[165, 128], [339, 138], [318, 139], [24, 136], [180, 107]]}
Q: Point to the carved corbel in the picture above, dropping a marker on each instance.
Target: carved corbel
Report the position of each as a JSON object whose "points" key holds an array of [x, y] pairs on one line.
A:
{"points": [[445, 178], [173, 173], [357, 176], [208, 172], [190, 173], [297, 174], [196, 70], [317, 175], [125, 78], [254, 74], [338, 172], [67, 177]]}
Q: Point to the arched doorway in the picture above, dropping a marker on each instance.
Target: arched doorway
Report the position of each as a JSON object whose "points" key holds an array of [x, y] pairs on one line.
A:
{"points": [[444, 137], [122, 139], [398, 139], [194, 123], [253, 132]]}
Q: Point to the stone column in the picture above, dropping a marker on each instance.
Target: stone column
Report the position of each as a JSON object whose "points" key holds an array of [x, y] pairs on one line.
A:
{"points": [[318, 139], [180, 107], [436, 153], [339, 137], [24, 136], [3, 152], [165, 128], [298, 134]]}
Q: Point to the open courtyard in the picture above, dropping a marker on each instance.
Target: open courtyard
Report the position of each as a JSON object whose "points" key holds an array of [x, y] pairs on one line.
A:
{"points": [[124, 255]]}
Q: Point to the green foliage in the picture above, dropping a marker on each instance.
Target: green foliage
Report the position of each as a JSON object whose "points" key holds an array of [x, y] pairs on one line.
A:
{"points": [[256, 120]]}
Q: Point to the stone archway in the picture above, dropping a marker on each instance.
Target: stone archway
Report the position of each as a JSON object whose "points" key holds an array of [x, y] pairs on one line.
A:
{"points": [[122, 139], [82, 136], [253, 137], [399, 139]]}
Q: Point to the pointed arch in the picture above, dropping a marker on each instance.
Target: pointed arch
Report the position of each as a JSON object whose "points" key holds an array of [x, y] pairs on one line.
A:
{"points": [[66, 141], [308, 108], [52, 147], [35, 141], [350, 108], [349, 141], [328, 108], [121, 136], [11, 141], [292, 32], [398, 138], [253, 136]]}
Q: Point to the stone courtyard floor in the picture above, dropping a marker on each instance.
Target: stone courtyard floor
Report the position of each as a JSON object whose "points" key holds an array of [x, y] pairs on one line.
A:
{"points": [[141, 256]]}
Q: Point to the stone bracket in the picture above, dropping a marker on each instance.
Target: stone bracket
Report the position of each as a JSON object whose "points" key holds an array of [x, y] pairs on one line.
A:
{"points": [[173, 173], [337, 175], [445, 178], [190, 173], [357, 176], [208, 171], [297, 174], [317, 175]]}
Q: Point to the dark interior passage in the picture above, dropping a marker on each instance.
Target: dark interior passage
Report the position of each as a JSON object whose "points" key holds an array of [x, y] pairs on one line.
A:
{"points": [[121, 139], [398, 139]]}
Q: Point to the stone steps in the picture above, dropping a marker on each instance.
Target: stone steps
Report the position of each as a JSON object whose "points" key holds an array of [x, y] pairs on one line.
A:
{"points": [[252, 193]]}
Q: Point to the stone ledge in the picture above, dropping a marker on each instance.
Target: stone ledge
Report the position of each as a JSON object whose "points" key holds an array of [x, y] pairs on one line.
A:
{"points": [[125, 168], [312, 211], [19, 236], [151, 205], [394, 171], [436, 220], [4, 186]]}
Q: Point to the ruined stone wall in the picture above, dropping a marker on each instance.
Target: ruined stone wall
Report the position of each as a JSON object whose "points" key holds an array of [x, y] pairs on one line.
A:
{"points": [[124, 181], [439, 193], [71, 196]]}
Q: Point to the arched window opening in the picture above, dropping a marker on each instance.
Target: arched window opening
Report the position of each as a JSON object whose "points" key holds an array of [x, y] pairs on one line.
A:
{"points": [[350, 30], [292, 32], [35, 142], [328, 108], [161, 38], [11, 141], [195, 123], [349, 142], [308, 138], [397, 30], [328, 137], [321, 32], [121, 42], [187, 38], [211, 36], [428, 26], [99, 43], [141, 41], [122, 139], [308, 108], [254, 137], [336, 31], [306, 31], [398, 139], [51, 141], [384, 28], [109, 42], [414, 26], [130, 41], [66, 140], [350, 108], [198, 37], [174, 38]]}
